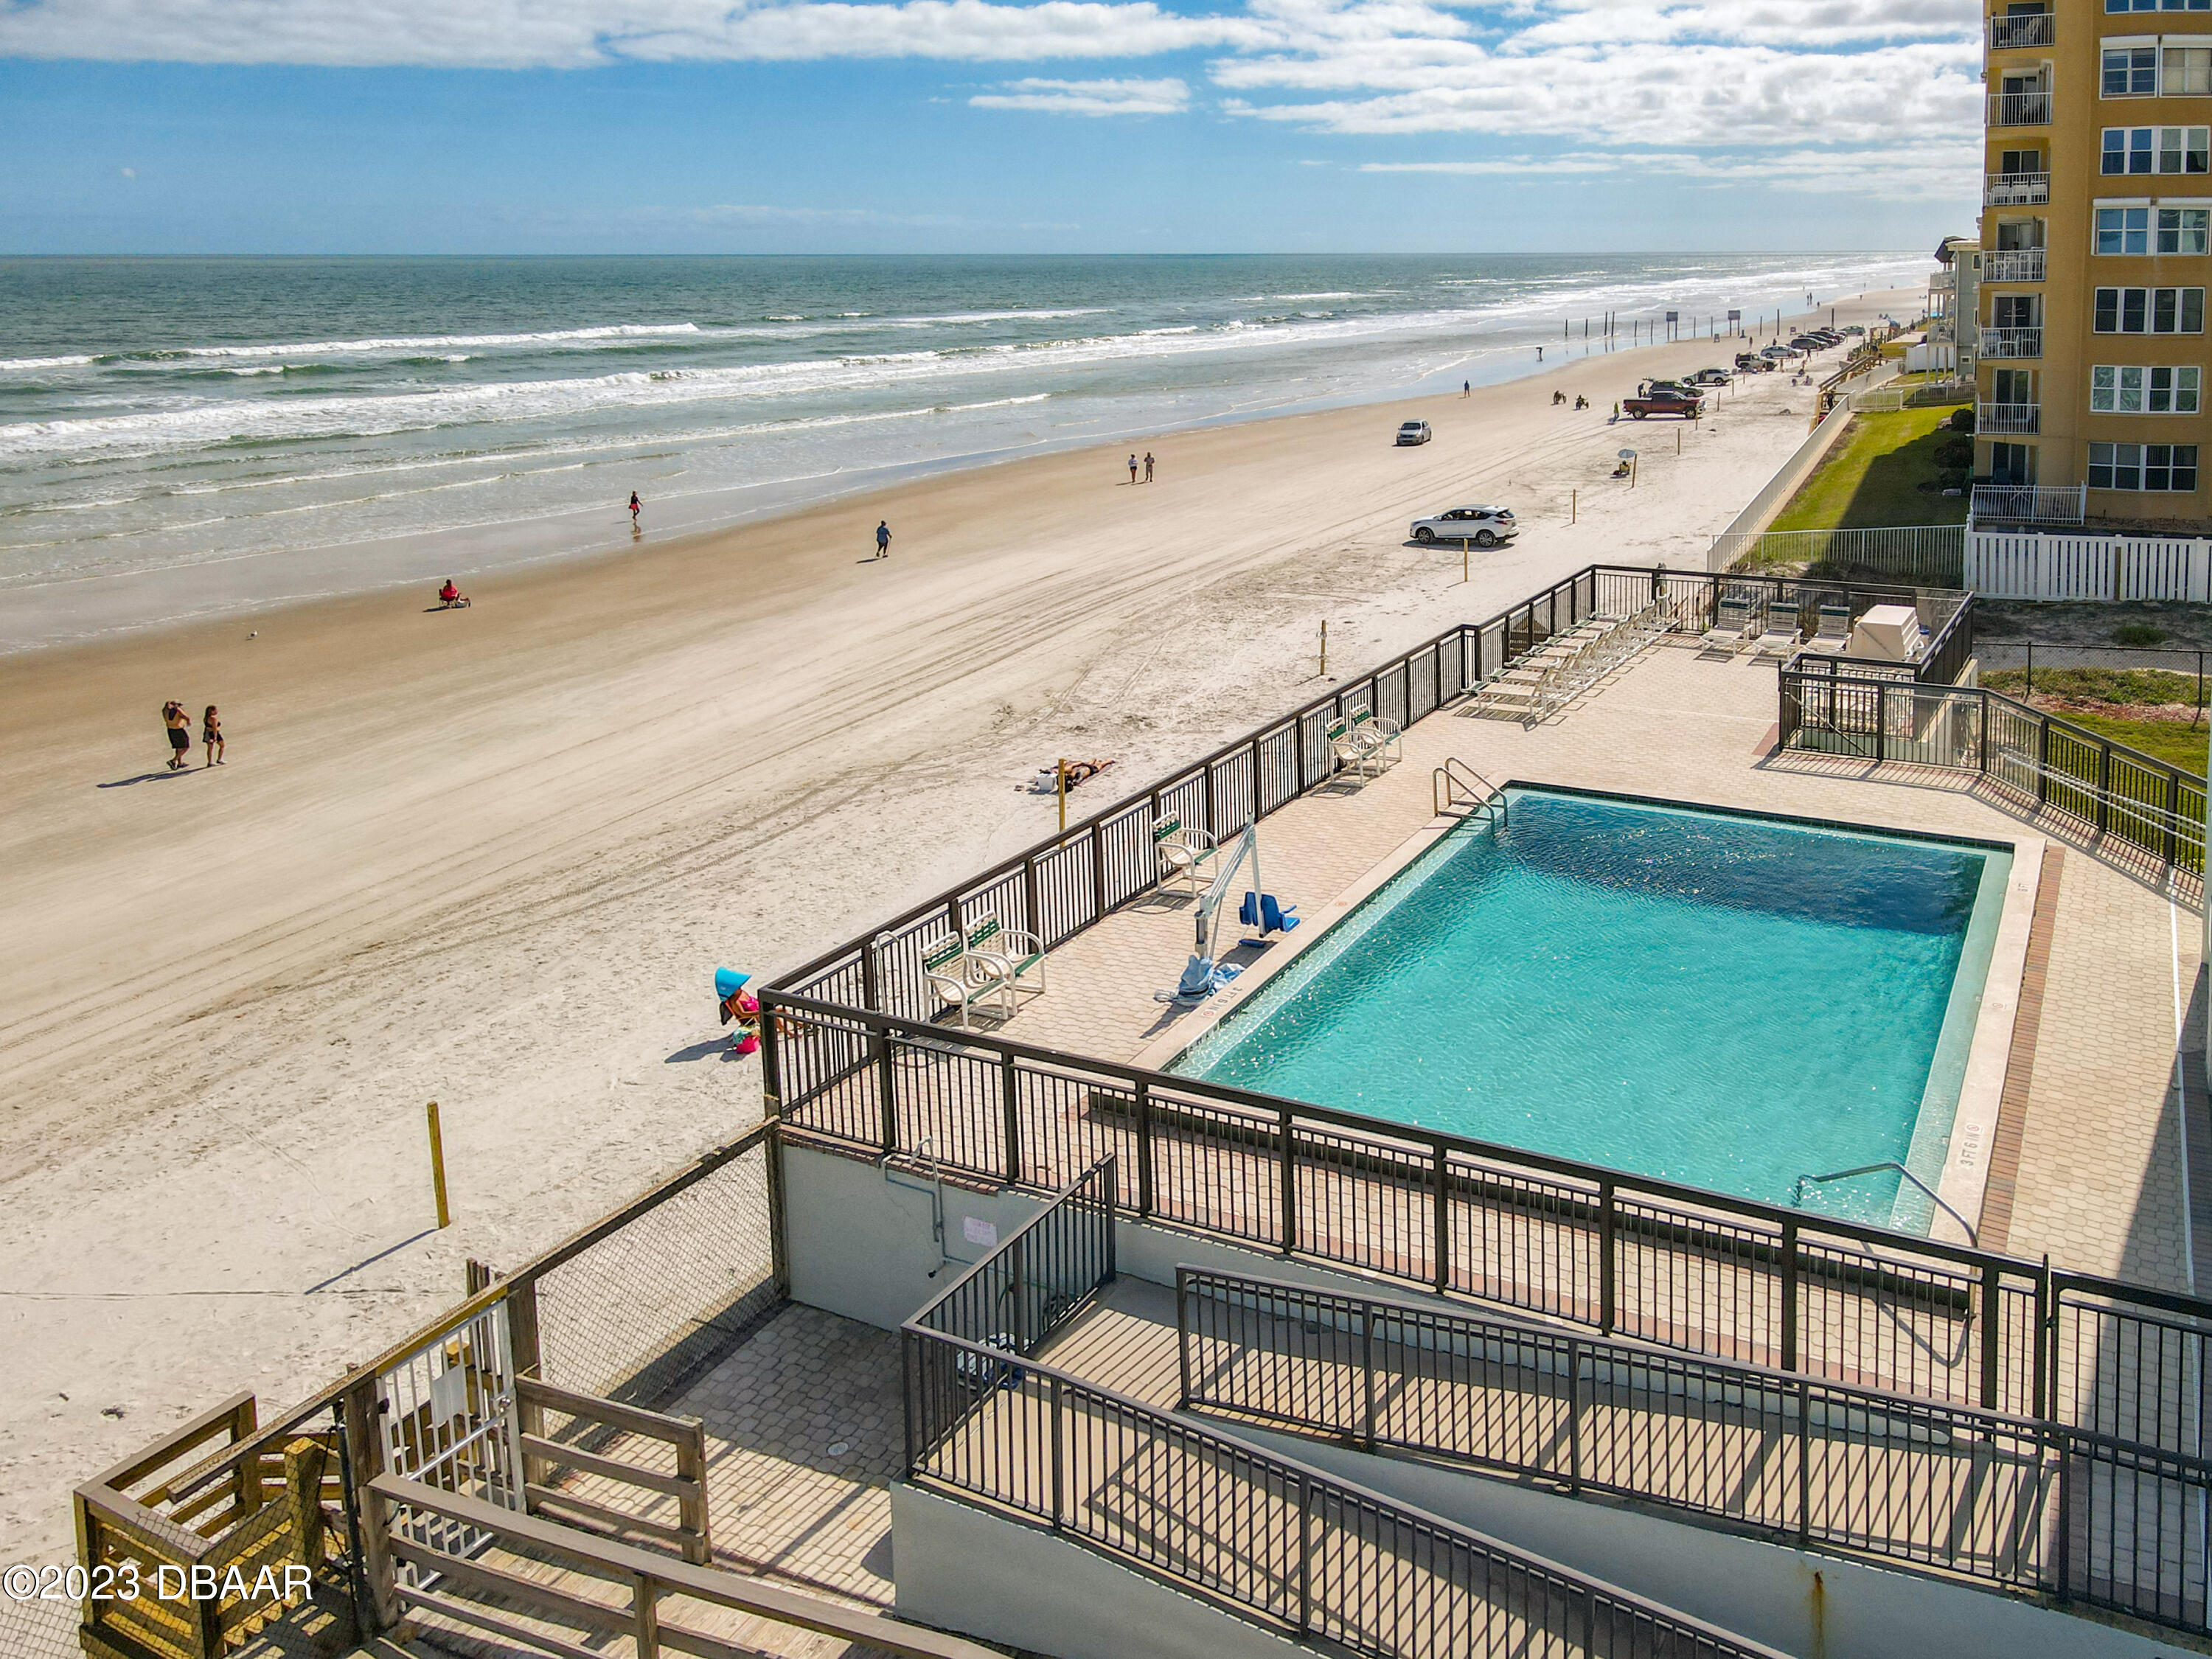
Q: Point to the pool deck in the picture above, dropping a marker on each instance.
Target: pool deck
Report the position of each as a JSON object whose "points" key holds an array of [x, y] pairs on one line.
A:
{"points": [[2090, 1162]]}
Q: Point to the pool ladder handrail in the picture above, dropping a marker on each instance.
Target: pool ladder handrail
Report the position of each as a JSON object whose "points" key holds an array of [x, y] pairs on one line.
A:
{"points": [[1797, 1199], [1483, 796]]}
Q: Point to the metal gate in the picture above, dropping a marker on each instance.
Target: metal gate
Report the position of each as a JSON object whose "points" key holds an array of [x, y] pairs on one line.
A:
{"points": [[449, 1420]]}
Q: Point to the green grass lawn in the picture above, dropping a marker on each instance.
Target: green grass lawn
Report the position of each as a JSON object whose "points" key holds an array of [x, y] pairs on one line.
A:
{"points": [[2174, 742], [1873, 477]]}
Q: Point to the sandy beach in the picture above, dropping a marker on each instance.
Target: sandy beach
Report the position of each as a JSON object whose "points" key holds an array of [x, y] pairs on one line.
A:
{"points": [[491, 857]]}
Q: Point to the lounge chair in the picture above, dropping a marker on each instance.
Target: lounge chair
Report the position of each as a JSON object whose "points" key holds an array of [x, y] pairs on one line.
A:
{"points": [[1785, 629], [1007, 953], [1731, 623], [1183, 854], [1385, 738], [1352, 751], [1834, 633], [959, 980]]}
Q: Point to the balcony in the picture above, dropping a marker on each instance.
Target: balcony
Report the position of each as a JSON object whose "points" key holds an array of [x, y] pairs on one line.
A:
{"points": [[2006, 32], [2005, 418], [2011, 342], [2019, 109], [2018, 264], [2028, 504], [2016, 189]]}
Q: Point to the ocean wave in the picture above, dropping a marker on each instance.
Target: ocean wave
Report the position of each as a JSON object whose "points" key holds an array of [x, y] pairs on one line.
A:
{"points": [[415, 343], [28, 365]]}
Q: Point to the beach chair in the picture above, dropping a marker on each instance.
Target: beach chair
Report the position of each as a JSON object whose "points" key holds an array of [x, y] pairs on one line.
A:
{"points": [[1731, 622], [961, 981], [1182, 854], [1785, 629], [1352, 751], [1832, 633], [1385, 738], [1007, 953]]}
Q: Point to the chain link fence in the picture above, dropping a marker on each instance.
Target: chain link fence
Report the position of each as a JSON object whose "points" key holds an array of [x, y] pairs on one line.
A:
{"points": [[2181, 669], [640, 1309], [32, 1627]]}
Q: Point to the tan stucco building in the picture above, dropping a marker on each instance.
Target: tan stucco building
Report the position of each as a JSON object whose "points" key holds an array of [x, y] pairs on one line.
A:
{"points": [[2090, 374]]}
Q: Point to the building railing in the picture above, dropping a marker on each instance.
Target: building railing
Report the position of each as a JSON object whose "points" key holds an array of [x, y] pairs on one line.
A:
{"points": [[2019, 109], [1039, 1276], [2011, 342], [2008, 417], [1274, 1539], [1930, 554], [2013, 265], [2032, 1505], [2028, 504], [2121, 794], [2034, 29], [2016, 189]]}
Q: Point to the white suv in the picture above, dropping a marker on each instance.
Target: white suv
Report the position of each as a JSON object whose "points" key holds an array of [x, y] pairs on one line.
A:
{"points": [[1485, 526]]}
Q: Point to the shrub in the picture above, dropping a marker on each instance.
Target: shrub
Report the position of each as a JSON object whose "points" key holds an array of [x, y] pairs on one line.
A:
{"points": [[1953, 452], [1962, 418], [2138, 634]]}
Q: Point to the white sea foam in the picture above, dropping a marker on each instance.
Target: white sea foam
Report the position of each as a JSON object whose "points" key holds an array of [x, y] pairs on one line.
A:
{"points": [[421, 342], [28, 364]]}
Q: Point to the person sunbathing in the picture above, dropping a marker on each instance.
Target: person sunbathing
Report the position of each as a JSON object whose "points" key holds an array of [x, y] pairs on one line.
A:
{"points": [[1047, 782]]}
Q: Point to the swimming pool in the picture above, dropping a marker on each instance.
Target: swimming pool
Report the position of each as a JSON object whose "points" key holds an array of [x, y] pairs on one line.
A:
{"points": [[1721, 999]]}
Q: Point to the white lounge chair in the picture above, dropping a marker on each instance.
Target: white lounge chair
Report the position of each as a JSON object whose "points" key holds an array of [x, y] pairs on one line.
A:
{"points": [[1834, 633], [1007, 953], [1731, 623], [1183, 854], [1785, 629], [1385, 738], [959, 980]]}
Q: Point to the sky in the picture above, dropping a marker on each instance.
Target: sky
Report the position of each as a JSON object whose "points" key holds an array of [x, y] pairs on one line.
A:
{"points": [[702, 126]]}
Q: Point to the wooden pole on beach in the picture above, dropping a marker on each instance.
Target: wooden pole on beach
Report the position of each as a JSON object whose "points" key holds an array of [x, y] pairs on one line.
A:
{"points": [[1324, 648], [438, 1168], [1060, 771], [1574, 503]]}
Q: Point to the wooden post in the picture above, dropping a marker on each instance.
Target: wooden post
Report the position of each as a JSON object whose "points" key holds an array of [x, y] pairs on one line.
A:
{"points": [[1060, 774], [438, 1167], [691, 1467], [1324, 649], [1463, 555], [305, 1460], [365, 1454], [1574, 504]]}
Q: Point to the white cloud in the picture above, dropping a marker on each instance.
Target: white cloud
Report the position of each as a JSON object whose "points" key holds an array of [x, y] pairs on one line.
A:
{"points": [[1168, 97], [1935, 172]]}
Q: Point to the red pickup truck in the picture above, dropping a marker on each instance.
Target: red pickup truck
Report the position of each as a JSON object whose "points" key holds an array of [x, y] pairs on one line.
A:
{"points": [[1662, 400]]}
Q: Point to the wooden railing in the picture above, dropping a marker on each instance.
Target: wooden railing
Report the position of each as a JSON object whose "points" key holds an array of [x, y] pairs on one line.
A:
{"points": [[594, 1425], [479, 1592], [186, 1565]]}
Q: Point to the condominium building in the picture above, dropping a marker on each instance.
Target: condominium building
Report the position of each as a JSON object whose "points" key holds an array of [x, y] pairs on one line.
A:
{"points": [[2096, 201]]}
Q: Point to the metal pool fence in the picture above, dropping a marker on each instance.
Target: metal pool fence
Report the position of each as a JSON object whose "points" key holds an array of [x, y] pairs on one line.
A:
{"points": [[1263, 1533], [2031, 1504], [2127, 798]]}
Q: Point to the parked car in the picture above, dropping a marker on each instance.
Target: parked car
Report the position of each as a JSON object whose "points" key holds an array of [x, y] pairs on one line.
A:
{"points": [[1778, 353], [1661, 400], [1413, 432], [1752, 363], [1709, 377], [1485, 526]]}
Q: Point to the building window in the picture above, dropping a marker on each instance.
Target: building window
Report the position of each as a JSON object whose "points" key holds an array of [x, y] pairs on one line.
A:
{"points": [[2123, 230], [2149, 311], [2143, 150], [2131, 72], [2182, 230], [2114, 7], [2124, 389], [2164, 467], [2187, 72]]}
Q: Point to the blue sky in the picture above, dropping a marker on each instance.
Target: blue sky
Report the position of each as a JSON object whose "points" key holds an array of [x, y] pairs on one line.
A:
{"points": [[185, 126]]}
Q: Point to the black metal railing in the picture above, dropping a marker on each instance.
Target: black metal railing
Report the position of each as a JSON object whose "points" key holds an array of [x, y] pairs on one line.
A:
{"points": [[2121, 794], [1039, 1276], [1270, 1537], [1946, 1488]]}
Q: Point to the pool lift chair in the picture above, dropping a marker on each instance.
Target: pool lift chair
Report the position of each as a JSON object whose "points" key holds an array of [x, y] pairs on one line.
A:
{"points": [[1205, 973]]}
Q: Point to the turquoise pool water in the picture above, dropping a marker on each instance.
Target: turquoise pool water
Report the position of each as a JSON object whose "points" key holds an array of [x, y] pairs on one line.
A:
{"points": [[1716, 1000]]}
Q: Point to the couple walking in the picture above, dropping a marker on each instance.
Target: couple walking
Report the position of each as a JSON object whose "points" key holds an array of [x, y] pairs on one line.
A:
{"points": [[1148, 468], [179, 725]]}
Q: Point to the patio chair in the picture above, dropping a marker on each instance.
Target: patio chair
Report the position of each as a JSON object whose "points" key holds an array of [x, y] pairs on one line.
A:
{"points": [[1834, 632], [1007, 953], [1731, 623], [959, 980], [1385, 737], [1181, 853], [1352, 751], [1785, 629]]}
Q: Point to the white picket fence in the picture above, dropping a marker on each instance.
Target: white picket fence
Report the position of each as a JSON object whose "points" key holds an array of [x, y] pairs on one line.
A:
{"points": [[2031, 565]]}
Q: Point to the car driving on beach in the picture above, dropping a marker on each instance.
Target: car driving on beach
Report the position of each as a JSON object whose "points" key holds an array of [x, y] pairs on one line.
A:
{"points": [[1485, 526], [1709, 377], [1413, 432]]}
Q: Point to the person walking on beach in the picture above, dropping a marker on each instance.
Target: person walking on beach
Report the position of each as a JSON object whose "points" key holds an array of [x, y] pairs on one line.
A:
{"points": [[1466, 388], [1148, 467], [1132, 466], [883, 540], [211, 735], [180, 733], [634, 505]]}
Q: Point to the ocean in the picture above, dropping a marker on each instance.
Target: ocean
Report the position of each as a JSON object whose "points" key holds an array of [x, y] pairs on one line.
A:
{"points": [[179, 437]]}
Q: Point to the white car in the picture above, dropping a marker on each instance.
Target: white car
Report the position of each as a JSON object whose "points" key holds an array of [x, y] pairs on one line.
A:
{"points": [[1485, 526], [1413, 432]]}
